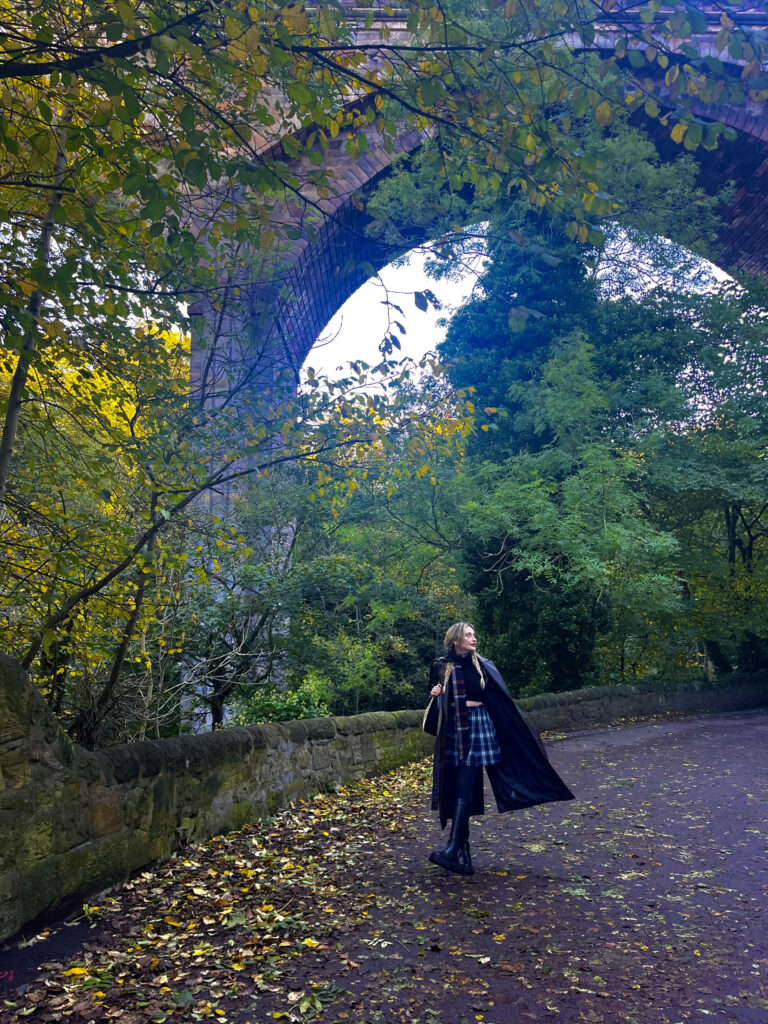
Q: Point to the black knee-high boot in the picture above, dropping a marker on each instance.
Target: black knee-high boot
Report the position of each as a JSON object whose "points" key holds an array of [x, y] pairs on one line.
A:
{"points": [[456, 856], [465, 789]]}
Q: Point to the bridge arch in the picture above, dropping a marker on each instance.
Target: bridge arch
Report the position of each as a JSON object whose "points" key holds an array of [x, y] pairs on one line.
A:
{"points": [[333, 257], [323, 274]]}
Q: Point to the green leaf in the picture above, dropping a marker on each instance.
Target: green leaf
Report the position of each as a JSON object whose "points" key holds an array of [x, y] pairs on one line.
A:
{"points": [[196, 171], [651, 107], [187, 118], [432, 89], [131, 101], [300, 94], [696, 20], [132, 184], [126, 13], [693, 136], [49, 637], [154, 209]]}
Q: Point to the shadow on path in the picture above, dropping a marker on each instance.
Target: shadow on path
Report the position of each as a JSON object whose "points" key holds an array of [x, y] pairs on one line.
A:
{"points": [[643, 901]]}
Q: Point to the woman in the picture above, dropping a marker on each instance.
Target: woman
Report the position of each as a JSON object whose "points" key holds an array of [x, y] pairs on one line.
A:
{"points": [[481, 727]]}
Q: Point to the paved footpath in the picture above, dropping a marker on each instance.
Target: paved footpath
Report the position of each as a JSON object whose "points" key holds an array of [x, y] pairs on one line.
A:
{"points": [[643, 901]]}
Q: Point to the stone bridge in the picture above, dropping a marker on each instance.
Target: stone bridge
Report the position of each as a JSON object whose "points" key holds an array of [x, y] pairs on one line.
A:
{"points": [[323, 267]]}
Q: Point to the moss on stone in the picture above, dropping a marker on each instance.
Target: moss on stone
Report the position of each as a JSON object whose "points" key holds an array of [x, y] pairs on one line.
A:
{"points": [[320, 728], [102, 815], [297, 732], [408, 719], [242, 813]]}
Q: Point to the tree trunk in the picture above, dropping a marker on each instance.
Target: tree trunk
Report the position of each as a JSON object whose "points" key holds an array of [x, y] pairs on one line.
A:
{"points": [[718, 657], [222, 688], [53, 667], [85, 726], [731, 519], [34, 307]]}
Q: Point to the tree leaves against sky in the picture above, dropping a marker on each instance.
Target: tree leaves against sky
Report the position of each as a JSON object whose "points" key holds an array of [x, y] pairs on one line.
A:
{"points": [[139, 174]]}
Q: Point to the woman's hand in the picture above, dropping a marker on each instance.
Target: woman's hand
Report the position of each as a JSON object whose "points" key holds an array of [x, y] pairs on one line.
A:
{"points": [[436, 690]]}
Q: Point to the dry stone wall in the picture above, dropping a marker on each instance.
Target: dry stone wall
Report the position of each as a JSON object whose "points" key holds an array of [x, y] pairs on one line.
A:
{"points": [[73, 822]]}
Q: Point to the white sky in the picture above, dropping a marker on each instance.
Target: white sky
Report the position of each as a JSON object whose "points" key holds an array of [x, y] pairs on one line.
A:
{"points": [[360, 325]]}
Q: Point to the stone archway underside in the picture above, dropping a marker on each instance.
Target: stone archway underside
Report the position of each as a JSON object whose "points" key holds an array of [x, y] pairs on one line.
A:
{"points": [[320, 270], [324, 274]]}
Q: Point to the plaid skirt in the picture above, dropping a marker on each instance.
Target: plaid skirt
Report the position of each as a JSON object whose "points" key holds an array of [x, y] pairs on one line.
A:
{"points": [[483, 745]]}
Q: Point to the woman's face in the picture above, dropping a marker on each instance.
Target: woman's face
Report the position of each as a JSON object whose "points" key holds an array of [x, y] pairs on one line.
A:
{"points": [[467, 643]]}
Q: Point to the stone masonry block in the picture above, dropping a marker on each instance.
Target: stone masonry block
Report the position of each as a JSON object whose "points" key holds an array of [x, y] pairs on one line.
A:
{"points": [[108, 818]]}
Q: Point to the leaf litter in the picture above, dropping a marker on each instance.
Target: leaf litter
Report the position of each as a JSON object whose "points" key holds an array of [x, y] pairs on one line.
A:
{"points": [[611, 908]]}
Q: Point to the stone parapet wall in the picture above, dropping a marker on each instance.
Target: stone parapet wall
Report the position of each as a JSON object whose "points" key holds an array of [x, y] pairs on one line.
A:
{"points": [[598, 705], [74, 822]]}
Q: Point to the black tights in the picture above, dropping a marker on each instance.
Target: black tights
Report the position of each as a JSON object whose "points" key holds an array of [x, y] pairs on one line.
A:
{"points": [[465, 781]]}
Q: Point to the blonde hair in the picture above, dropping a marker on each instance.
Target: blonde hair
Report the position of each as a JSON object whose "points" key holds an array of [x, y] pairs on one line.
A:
{"points": [[454, 634]]}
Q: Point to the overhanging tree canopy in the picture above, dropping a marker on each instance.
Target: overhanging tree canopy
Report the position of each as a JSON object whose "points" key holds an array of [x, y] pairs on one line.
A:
{"points": [[147, 152]]}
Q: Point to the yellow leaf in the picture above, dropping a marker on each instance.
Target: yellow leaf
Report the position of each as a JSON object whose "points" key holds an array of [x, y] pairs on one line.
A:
{"points": [[312, 943], [237, 51], [75, 972], [678, 132], [603, 114], [251, 37], [295, 18]]}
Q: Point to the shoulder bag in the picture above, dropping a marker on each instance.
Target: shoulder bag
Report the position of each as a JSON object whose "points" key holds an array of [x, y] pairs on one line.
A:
{"points": [[432, 716]]}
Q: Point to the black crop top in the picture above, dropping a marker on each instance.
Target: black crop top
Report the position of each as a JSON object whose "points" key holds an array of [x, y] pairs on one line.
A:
{"points": [[473, 689]]}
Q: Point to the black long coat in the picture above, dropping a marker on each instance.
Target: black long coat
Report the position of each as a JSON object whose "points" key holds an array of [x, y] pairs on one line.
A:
{"points": [[524, 775]]}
